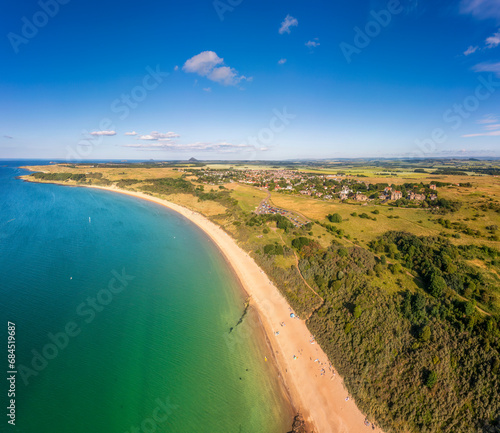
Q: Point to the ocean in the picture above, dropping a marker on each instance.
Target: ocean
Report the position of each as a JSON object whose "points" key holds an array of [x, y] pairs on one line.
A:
{"points": [[122, 311]]}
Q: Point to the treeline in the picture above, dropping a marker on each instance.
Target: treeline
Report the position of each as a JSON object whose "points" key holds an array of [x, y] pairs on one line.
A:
{"points": [[170, 185], [90, 178], [281, 221], [439, 206], [59, 177], [449, 172]]}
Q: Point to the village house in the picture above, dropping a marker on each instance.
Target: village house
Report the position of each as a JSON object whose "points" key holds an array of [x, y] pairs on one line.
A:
{"points": [[396, 195], [414, 196]]}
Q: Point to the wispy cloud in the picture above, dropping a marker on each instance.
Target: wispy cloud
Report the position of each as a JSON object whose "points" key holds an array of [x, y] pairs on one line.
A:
{"points": [[490, 127], [8, 136], [313, 44], [207, 89], [105, 133], [488, 67], [131, 133], [483, 134], [221, 147], [209, 64], [493, 41], [159, 136], [288, 22], [481, 9], [281, 61], [490, 118], [470, 50], [490, 42]]}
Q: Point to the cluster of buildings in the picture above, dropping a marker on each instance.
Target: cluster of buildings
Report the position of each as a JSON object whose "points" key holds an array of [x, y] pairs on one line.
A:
{"points": [[393, 194], [326, 187]]}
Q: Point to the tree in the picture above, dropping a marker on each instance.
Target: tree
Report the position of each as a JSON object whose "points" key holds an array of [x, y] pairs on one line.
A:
{"points": [[300, 242], [357, 311], [469, 308], [273, 250], [396, 268], [335, 218], [425, 334], [437, 286], [431, 379]]}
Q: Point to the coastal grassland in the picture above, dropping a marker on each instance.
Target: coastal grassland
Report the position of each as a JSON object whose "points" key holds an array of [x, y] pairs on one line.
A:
{"points": [[405, 301], [113, 174], [248, 197], [208, 207]]}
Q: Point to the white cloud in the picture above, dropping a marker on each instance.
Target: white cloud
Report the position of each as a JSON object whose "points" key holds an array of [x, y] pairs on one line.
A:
{"points": [[131, 133], [481, 9], [288, 22], [493, 41], [108, 133], [488, 67], [159, 136], [176, 68], [203, 63], [470, 50], [492, 129], [207, 89], [225, 75], [281, 61], [209, 64], [313, 44]]}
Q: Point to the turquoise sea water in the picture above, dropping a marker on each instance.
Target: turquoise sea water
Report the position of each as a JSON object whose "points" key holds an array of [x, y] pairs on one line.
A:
{"points": [[98, 351]]}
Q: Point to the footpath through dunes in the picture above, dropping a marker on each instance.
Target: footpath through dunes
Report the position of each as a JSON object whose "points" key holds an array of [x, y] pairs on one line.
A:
{"points": [[316, 391]]}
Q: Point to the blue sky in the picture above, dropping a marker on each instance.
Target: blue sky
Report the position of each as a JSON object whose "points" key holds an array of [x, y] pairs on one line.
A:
{"points": [[249, 79]]}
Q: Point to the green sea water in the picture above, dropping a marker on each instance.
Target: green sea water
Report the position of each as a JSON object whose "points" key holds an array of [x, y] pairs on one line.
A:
{"points": [[122, 311]]}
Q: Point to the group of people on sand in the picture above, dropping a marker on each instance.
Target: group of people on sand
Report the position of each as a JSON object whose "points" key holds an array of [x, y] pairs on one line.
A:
{"points": [[323, 365], [323, 370]]}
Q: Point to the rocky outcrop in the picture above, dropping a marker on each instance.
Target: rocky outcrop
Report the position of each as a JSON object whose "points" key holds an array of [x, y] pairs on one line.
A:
{"points": [[298, 426]]}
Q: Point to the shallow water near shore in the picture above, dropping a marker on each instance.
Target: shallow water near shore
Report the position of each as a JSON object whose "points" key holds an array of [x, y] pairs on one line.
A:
{"points": [[122, 311]]}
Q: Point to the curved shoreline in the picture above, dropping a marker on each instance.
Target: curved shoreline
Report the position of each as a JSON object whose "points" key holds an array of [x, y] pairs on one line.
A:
{"points": [[321, 399]]}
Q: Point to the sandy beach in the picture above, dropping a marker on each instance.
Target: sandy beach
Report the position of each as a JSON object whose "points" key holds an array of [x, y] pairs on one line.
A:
{"points": [[322, 399]]}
